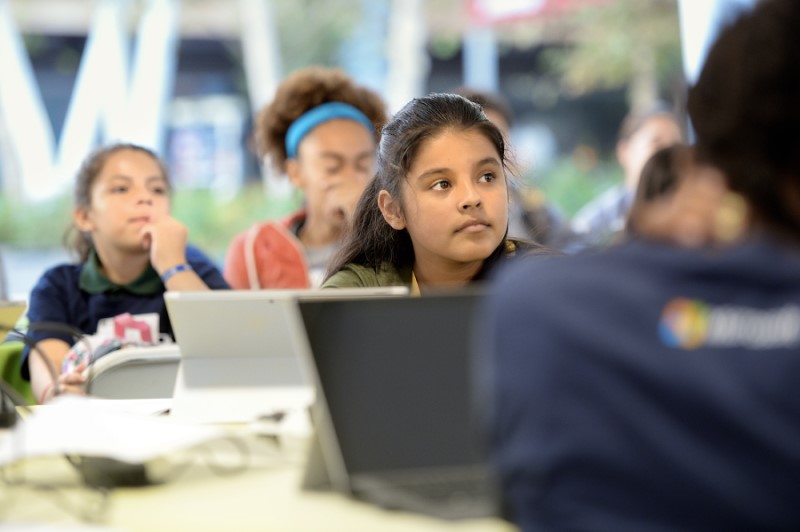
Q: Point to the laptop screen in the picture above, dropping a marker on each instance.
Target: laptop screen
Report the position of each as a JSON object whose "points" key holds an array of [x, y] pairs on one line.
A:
{"points": [[240, 351], [395, 375]]}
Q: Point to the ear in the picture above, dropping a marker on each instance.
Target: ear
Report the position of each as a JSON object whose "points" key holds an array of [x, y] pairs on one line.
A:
{"points": [[390, 208], [82, 220], [295, 173]]}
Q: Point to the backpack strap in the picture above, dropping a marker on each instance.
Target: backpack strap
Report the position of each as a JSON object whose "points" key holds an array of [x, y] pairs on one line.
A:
{"points": [[250, 256]]}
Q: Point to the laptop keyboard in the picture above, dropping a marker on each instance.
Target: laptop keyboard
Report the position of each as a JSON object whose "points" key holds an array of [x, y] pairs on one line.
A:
{"points": [[442, 487], [451, 494]]}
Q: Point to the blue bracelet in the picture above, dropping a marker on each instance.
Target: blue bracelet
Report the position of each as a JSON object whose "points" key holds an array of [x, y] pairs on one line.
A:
{"points": [[167, 275]]}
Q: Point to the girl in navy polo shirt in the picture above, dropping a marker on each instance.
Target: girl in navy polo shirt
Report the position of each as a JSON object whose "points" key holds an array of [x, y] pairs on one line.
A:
{"points": [[130, 252]]}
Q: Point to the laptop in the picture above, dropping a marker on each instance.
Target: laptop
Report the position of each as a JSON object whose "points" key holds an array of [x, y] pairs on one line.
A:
{"points": [[393, 418], [239, 352], [135, 372]]}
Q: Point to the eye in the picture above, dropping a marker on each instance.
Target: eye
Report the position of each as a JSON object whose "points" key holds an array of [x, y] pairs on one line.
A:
{"points": [[159, 190], [488, 177], [441, 185], [333, 169], [119, 189]]}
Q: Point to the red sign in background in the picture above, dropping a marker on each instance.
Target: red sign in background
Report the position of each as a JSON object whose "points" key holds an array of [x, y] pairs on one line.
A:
{"points": [[497, 11]]}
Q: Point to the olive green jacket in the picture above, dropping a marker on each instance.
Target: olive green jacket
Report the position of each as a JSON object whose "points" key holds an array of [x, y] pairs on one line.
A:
{"points": [[356, 276]]}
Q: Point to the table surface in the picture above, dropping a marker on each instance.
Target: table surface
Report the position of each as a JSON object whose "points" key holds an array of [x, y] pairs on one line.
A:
{"points": [[212, 490]]}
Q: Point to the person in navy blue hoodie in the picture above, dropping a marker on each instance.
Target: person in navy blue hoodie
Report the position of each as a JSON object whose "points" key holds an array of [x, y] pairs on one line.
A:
{"points": [[654, 387], [130, 252]]}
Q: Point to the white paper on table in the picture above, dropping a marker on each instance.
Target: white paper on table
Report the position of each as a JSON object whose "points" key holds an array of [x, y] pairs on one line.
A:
{"points": [[77, 425], [145, 407], [295, 422]]}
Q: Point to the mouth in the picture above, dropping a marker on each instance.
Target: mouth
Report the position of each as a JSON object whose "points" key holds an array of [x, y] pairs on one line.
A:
{"points": [[473, 226], [139, 220]]}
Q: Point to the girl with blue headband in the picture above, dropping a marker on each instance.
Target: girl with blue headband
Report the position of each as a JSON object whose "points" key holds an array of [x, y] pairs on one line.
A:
{"points": [[321, 131]]}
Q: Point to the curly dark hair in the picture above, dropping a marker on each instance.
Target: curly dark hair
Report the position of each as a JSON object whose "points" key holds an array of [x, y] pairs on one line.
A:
{"points": [[745, 108], [303, 90]]}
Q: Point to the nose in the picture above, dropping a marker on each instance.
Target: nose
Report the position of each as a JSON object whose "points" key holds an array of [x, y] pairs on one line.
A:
{"points": [[470, 197], [144, 195]]}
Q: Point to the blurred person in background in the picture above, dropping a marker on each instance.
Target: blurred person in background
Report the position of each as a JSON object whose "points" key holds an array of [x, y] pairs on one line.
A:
{"points": [[659, 179], [641, 134], [320, 130]]}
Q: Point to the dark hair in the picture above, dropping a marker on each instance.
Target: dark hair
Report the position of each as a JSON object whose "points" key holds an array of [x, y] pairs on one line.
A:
{"points": [[74, 240], [659, 177], [745, 109], [371, 241], [304, 90], [661, 172]]}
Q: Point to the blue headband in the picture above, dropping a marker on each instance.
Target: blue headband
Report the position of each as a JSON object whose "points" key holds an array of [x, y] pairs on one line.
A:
{"points": [[317, 115]]}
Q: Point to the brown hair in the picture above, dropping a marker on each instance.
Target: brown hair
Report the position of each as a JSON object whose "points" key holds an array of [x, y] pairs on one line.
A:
{"points": [[74, 240], [303, 90]]}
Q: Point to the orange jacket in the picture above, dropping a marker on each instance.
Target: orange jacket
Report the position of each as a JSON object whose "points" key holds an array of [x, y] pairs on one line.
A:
{"points": [[268, 255]]}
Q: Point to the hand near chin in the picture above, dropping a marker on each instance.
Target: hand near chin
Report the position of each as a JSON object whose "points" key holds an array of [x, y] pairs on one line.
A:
{"points": [[166, 239], [344, 202]]}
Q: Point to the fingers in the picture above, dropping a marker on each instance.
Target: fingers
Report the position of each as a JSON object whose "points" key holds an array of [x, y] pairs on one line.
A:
{"points": [[166, 239], [74, 377], [73, 382], [71, 389], [344, 202], [147, 240]]}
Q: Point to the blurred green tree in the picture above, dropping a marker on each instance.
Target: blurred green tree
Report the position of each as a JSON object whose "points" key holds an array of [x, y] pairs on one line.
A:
{"points": [[325, 26], [596, 45], [630, 44]]}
